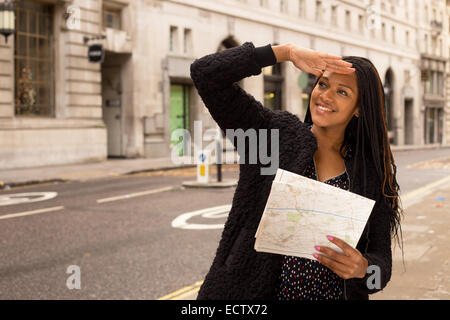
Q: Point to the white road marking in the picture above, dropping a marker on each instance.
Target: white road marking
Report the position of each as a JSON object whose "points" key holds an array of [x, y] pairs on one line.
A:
{"points": [[211, 213], [29, 213], [27, 197], [134, 195]]}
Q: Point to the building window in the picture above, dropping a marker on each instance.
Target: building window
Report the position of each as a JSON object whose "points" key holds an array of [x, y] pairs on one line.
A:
{"points": [[433, 45], [187, 41], [33, 60], [348, 20], [383, 31], [111, 18], [318, 11], [429, 84], [393, 35], [434, 83], [301, 8], [361, 23], [440, 83], [334, 15], [434, 124], [173, 40], [407, 38], [283, 7], [392, 8]]}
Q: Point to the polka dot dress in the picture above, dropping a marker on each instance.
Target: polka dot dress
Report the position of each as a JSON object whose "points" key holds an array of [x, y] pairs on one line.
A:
{"points": [[306, 279]]}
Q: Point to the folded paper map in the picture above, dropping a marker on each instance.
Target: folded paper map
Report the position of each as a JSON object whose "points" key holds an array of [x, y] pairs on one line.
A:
{"points": [[300, 213]]}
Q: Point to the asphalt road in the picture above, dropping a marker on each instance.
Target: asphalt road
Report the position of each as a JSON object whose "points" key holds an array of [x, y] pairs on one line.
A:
{"points": [[127, 248]]}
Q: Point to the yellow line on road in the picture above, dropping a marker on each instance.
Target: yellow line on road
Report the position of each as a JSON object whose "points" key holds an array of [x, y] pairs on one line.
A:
{"points": [[417, 194], [134, 195], [29, 213], [183, 292]]}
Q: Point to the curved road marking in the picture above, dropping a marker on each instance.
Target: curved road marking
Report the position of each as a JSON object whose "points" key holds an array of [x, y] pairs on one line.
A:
{"points": [[211, 213], [27, 197]]}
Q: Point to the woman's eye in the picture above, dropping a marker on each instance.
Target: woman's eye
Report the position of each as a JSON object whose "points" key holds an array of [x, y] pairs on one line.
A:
{"points": [[343, 92], [321, 83]]}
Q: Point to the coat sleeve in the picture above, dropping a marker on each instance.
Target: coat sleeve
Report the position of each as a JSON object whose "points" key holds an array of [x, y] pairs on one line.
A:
{"points": [[215, 76], [379, 253]]}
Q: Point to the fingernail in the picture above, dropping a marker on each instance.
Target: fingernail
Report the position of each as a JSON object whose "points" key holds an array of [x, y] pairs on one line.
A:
{"points": [[316, 255], [317, 248], [330, 238]]}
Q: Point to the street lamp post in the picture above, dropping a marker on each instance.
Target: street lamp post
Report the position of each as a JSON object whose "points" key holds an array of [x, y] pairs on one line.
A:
{"points": [[7, 19]]}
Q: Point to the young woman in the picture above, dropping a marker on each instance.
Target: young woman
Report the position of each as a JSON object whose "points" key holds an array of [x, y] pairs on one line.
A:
{"points": [[343, 141]]}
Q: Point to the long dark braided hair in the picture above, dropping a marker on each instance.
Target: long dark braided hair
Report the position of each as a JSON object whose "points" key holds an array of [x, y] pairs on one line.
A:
{"points": [[368, 137]]}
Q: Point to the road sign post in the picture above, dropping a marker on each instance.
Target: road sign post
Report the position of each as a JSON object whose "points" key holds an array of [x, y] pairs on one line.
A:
{"points": [[203, 166]]}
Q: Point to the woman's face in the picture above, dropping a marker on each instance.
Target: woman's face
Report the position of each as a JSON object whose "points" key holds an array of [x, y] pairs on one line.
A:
{"points": [[338, 92]]}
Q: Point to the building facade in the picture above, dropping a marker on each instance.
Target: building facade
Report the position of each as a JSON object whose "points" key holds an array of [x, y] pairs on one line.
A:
{"points": [[56, 107]]}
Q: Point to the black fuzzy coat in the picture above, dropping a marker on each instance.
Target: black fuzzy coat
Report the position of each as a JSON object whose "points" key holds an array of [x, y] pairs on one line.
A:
{"points": [[238, 271]]}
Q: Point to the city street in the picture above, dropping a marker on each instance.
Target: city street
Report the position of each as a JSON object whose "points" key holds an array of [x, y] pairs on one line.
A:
{"points": [[119, 231]]}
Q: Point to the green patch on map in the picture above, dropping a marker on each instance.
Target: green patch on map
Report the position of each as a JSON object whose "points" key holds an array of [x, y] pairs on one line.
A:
{"points": [[294, 216], [347, 238]]}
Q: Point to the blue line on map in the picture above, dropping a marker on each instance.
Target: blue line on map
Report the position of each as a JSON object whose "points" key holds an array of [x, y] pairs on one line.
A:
{"points": [[318, 211]]}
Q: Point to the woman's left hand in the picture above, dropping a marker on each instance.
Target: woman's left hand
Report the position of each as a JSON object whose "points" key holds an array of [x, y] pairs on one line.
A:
{"points": [[349, 265]]}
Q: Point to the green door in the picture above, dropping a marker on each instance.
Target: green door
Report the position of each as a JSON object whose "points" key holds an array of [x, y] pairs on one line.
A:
{"points": [[179, 111]]}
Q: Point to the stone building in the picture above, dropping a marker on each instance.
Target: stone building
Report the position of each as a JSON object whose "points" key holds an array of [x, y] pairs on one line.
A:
{"points": [[446, 26], [433, 31], [56, 107]]}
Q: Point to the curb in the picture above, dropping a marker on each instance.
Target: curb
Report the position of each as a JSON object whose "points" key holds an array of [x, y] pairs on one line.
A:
{"points": [[226, 183], [9, 185], [159, 169]]}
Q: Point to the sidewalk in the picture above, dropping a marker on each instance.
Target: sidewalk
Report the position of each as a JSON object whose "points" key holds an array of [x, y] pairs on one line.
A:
{"points": [[426, 239], [97, 170], [84, 171]]}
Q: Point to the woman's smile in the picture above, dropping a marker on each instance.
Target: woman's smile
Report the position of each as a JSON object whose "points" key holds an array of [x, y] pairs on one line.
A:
{"points": [[324, 109]]}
